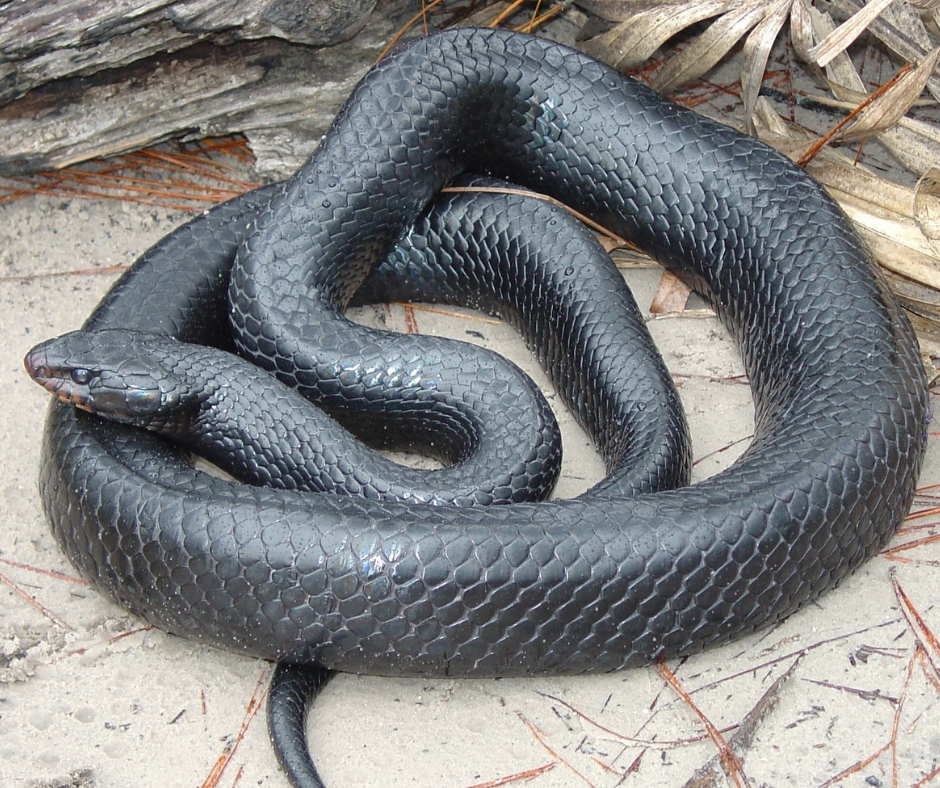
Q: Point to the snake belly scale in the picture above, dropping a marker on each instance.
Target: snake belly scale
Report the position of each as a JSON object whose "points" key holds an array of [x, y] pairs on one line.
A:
{"points": [[591, 584]]}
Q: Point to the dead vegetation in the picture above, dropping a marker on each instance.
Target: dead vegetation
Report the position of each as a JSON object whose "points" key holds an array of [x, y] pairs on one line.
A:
{"points": [[869, 71]]}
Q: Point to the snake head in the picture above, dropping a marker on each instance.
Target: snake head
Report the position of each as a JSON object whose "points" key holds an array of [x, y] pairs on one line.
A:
{"points": [[120, 375]]}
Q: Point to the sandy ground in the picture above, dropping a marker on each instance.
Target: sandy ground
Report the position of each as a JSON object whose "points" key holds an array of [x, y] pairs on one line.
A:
{"points": [[91, 697]]}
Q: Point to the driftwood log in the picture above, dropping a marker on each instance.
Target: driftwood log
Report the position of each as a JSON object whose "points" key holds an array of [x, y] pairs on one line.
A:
{"points": [[81, 79]]}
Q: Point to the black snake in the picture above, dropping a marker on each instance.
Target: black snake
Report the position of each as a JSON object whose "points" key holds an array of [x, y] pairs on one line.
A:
{"points": [[591, 584], [506, 253]]}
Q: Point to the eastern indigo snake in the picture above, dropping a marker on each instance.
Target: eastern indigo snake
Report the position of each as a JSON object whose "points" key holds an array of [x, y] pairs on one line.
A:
{"points": [[590, 584]]}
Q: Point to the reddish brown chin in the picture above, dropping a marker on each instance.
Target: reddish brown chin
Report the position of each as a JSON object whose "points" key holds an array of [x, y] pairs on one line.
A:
{"points": [[69, 395], [62, 390]]}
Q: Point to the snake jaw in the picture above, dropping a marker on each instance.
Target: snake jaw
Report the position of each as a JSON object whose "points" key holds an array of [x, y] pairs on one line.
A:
{"points": [[53, 379]]}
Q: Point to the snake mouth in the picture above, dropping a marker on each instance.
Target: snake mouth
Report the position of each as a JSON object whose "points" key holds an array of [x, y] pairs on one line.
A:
{"points": [[54, 381], [64, 391]]}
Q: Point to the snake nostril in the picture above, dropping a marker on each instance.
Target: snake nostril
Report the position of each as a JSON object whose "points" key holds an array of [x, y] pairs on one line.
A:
{"points": [[33, 363]]}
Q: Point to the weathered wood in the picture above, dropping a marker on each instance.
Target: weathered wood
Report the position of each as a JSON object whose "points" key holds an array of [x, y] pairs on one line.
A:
{"points": [[45, 40], [281, 95], [82, 79]]}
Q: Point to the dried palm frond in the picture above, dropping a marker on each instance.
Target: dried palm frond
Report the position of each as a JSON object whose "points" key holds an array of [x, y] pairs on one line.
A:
{"points": [[902, 224]]}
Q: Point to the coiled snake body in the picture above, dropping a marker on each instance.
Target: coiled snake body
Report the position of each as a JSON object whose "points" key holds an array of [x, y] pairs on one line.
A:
{"points": [[591, 584]]}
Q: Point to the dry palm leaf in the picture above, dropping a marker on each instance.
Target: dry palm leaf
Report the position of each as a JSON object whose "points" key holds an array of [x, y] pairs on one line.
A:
{"points": [[882, 110], [902, 225], [756, 52], [914, 144], [840, 38], [901, 29], [711, 46], [623, 10], [634, 40], [644, 25], [801, 30], [671, 295], [926, 209]]}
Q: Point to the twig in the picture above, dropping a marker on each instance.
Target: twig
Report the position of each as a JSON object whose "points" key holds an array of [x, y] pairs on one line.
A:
{"points": [[891, 552], [528, 774], [37, 604], [922, 633], [855, 767], [449, 313], [817, 146], [728, 758], [255, 704], [722, 449], [863, 694], [540, 738], [740, 741], [896, 723], [405, 28], [538, 196], [648, 743], [46, 572], [108, 269]]}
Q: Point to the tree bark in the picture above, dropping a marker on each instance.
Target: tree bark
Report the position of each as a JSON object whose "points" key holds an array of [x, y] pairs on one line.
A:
{"points": [[81, 79]]}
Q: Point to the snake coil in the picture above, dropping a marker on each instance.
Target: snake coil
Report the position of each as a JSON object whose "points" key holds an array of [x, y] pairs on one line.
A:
{"points": [[590, 584]]}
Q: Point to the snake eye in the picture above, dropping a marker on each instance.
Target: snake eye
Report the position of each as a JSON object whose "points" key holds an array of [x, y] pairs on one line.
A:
{"points": [[81, 377]]}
